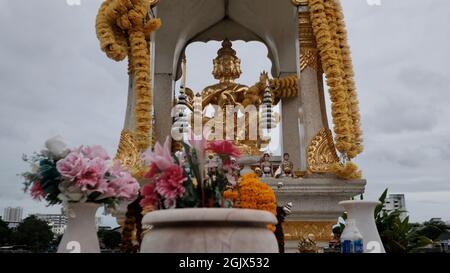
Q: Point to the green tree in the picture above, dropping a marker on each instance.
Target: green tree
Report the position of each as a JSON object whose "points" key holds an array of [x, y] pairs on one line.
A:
{"points": [[397, 235], [34, 233], [5, 233], [433, 229]]}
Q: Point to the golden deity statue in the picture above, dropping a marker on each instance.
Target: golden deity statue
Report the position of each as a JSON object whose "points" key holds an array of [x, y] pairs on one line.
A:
{"points": [[252, 101], [227, 68]]}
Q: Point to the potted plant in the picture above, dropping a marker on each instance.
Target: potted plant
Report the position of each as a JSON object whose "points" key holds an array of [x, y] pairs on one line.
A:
{"points": [[186, 207], [82, 180]]}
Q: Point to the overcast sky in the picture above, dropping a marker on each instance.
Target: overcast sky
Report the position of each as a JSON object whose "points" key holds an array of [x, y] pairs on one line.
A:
{"points": [[55, 80]]}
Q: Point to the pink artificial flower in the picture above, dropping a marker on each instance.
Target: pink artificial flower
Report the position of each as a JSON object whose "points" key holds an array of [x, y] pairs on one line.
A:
{"points": [[126, 187], [117, 169], [37, 192], [152, 172], [150, 197], [123, 185], [72, 165], [230, 165], [95, 151], [231, 179], [198, 142], [161, 155], [105, 188], [170, 183], [93, 175], [224, 147]]}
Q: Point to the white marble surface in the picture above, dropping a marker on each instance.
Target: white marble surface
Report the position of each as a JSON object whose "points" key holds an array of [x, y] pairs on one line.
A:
{"points": [[209, 215], [209, 231], [315, 199], [80, 235]]}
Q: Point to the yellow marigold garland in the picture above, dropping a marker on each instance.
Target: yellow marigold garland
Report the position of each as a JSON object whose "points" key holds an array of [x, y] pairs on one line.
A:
{"points": [[111, 37], [123, 28], [331, 36], [353, 104], [251, 193], [348, 171], [333, 69]]}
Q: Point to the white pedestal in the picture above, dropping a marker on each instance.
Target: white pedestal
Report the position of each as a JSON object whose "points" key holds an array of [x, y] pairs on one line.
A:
{"points": [[315, 205]]}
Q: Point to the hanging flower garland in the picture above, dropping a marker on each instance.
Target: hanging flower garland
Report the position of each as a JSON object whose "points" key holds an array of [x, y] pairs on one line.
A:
{"points": [[329, 29], [353, 104], [349, 171], [123, 28], [331, 65], [112, 39]]}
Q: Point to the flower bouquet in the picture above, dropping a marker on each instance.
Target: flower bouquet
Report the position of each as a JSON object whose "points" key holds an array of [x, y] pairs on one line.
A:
{"points": [[85, 174], [81, 179], [189, 179]]}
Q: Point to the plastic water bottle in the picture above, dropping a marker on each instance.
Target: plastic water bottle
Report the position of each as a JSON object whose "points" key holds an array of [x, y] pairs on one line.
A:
{"points": [[351, 238]]}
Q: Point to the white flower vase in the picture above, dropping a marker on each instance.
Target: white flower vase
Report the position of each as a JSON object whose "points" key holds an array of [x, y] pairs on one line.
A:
{"points": [[80, 235], [209, 230], [363, 213]]}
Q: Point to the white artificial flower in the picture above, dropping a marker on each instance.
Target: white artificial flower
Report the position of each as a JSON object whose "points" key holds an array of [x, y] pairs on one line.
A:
{"points": [[34, 168], [57, 147], [70, 192]]}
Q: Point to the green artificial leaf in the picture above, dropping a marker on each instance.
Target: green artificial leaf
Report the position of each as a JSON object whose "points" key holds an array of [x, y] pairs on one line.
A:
{"points": [[93, 196], [191, 198], [176, 160], [218, 197], [379, 207], [48, 170], [192, 158]]}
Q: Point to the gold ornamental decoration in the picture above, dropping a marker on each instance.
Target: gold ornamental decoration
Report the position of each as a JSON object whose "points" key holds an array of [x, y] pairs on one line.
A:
{"points": [[129, 155], [321, 155], [284, 87], [297, 230], [309, 57], [309, 54], [299, 2]]}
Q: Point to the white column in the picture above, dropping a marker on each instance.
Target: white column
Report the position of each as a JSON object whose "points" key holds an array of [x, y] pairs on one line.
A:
{"points": [[162, 105], [291, 129]]}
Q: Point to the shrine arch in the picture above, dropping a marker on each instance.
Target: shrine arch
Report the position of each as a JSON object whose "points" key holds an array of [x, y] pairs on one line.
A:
{"points": [[203, 20]]}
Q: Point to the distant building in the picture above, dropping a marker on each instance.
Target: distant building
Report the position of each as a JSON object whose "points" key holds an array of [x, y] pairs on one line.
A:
{"points": [[437, 220], [58, 222], [444, 242], [13, 214], [395, 202]]}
